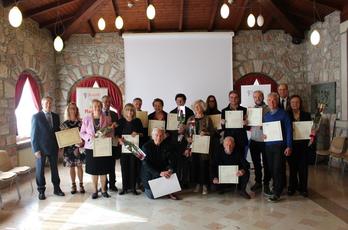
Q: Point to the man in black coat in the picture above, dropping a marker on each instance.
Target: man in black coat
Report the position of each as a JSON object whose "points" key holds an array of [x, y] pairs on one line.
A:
{"points": [[44, 144]]}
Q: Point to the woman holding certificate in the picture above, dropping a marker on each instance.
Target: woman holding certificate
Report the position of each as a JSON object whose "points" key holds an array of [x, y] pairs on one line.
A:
{"points": [[72, 157], [158, 114], [129, 127], [97, 166], [198, 126], [298, 164]]}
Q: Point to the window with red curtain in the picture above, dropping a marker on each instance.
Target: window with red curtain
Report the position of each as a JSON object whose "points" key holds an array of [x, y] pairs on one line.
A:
{"points": [[250, 78], [113, 91], [27, 103]]}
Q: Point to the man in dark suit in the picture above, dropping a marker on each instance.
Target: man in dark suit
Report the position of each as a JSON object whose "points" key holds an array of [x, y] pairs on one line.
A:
{"points": [[180, 100], [44, 144], [283, 92]]}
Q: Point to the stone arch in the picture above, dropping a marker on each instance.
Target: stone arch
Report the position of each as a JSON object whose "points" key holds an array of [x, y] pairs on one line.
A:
{"points": [[250, 78]]}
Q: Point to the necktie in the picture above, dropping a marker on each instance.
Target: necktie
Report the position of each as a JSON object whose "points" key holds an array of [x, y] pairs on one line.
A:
{"points": [[283, 103], [49, 119]]}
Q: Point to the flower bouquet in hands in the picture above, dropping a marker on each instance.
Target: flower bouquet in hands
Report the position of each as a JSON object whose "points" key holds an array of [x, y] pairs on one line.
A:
{"points": [[103, 132], [134, 149]]}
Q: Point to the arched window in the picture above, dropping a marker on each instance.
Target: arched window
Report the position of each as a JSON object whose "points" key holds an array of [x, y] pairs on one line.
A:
{"points": [[249, 79], [27, 102], [113, 91]]}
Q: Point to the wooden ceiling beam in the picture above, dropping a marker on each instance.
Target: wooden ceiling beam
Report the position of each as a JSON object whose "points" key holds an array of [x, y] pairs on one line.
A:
{"points": [[7, 3], [237, 11], [328, 4], [115, 7], [214, 9], [46, 8], [282, 18], [267, 23], [307, 7], [87, 10], [90, 24], [48, 24], [181, 16]]}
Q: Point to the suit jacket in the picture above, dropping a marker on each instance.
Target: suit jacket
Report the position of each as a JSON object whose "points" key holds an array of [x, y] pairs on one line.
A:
{"points": [[188, 112], [43, 137], [87, 131], [288, 108]]}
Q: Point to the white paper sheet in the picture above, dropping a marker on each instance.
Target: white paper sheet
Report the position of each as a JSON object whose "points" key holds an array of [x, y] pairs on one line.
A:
{"points": [[227, 174], [142, 115], [162, 186], [302, 130], [254, 116], [233, 119], [273, 131], [102, 147], [216, 120], [172, 121], [155, 124], [201, 144]]}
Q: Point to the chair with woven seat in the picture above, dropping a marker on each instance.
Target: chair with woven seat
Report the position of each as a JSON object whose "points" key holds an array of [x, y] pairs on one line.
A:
{"points": [[335, 150], [6, 166], [7, 178], [345, 161]]}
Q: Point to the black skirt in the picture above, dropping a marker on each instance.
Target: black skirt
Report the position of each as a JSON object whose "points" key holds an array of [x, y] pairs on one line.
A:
{"points": [[98, 165]]}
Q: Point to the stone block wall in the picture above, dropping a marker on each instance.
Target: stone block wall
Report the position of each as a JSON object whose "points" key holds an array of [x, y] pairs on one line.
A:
{"points": [[27, 48]]}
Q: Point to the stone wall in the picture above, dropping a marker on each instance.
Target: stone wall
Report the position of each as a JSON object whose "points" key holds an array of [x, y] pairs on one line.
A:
{"points": [[85, 56], [26, 48], [323, 61]]}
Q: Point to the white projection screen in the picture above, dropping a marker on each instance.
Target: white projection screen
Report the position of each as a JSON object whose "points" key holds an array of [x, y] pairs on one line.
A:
{"points": [[164, 64]]}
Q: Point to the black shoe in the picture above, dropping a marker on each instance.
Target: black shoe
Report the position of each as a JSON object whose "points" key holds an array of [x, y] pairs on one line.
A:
{"points": [[267, 191], [58, 192], [291, 192], [257, 186], [122, 192], [42, 196], [244, 194], [113, 188], [135, 192], [274, 198], [105, 194], [94, 195]]}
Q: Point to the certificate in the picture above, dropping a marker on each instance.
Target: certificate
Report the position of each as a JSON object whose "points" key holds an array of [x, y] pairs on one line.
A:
{"points": [[134, 140], [234, 119], [302, 130], [164, 186], [227, 174], [200, 144], [156, 124], [68, 137], [142, 115], [172, 121], [273, 131], [254, 116], [216, 120], [102, 147]]}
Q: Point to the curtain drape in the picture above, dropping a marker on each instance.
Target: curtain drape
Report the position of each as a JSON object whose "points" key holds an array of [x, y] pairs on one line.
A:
{"points": [[35, 91]]}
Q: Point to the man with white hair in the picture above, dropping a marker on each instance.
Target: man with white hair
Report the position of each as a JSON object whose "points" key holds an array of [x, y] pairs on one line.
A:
{"points": [[159, 161], [229, 155]]}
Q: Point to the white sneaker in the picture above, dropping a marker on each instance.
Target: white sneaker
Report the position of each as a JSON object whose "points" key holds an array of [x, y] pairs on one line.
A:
{"points": [[198, 187], [205, 190]]}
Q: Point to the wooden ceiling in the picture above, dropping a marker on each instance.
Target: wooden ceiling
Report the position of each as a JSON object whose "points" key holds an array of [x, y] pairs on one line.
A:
{"points": [[81, 16]]}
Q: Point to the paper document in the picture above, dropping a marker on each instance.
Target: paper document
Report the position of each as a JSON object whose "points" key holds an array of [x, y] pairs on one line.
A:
{"points": [[162, 186]]}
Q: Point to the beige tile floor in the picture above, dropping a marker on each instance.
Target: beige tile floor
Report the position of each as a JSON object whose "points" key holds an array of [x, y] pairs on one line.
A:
{"points": [[214, 211]]}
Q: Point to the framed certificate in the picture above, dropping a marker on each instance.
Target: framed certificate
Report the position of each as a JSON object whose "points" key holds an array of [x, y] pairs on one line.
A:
{"points": [[164, 186], [216, 120], [142, 115], [172, 121], [102, 147], [200, 144], [68, 137], [227, 174], [156, 124], [254, 116], [234, 119], [302, 130], [134, 140], [273, 131]]}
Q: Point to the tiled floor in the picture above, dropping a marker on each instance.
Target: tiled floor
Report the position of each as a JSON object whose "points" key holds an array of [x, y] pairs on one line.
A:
{"points": [[214, 211]]}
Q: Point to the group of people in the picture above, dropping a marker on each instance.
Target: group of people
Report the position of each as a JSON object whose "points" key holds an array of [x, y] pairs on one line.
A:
{"points": [[169, 152]]}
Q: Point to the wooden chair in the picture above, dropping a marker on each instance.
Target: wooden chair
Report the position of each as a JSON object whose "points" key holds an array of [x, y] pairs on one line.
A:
{"points": [[335, 150], [6, 179]]}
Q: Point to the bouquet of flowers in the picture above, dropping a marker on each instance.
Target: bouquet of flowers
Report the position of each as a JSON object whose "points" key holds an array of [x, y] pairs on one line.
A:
{"points": [[105, 131], [316, 122], [135, 150]]}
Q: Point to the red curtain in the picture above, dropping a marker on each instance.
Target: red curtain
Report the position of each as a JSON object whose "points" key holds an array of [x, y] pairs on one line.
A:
{"points": [[35, 91], [113, 91], [249, 79]]}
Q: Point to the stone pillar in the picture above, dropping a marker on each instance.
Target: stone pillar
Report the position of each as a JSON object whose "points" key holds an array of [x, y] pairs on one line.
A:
{"points": [[344, 69]]}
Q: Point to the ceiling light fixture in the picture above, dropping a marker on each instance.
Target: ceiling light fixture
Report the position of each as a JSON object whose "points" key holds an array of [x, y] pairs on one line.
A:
{"points": [[119, 22], [260, 20], [315, 35], [224, 11], [101, 24], [150, 12], [251, 20], [15, 17]]}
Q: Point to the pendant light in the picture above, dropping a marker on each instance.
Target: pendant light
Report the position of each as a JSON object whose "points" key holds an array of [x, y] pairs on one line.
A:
{"points": [[119, 22], [224, 11], [315, 37], [101, 24], [58, 44], [150, 12], [251, 20], [15, 17], [260, 20]]}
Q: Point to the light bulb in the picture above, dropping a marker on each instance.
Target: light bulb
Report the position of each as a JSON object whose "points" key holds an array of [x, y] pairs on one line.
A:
{"points": [[15, 17], [224, 11], [260, 20], [101, 24], [58, 43], [150, 12], [119, 22], [315, 37], [251, 20]]}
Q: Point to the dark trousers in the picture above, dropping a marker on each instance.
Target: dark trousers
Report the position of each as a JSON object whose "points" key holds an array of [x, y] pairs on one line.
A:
{"points": [[129, 169], [276, 160], [116, 153], [298, 167], [200, 168], [40, 172], [242, 182], [256, 150]]}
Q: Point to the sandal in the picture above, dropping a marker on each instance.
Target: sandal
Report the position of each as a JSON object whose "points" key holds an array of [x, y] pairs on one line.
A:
{"points": [[82, 189], [73, 188]]}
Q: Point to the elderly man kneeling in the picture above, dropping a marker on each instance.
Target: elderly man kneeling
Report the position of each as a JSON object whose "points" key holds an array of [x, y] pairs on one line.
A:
{"points": [[159, 161], [229, 155]]}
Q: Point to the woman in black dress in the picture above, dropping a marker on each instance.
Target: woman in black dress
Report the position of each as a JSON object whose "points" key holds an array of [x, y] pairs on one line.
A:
{"points": [[298, 161], [72, 156], [158, 114], [96, 166], [129, 125]]}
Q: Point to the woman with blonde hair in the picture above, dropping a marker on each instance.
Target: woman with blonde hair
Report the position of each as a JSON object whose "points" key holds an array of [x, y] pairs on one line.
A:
{"points": [[72, 156], [129, 125]]}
